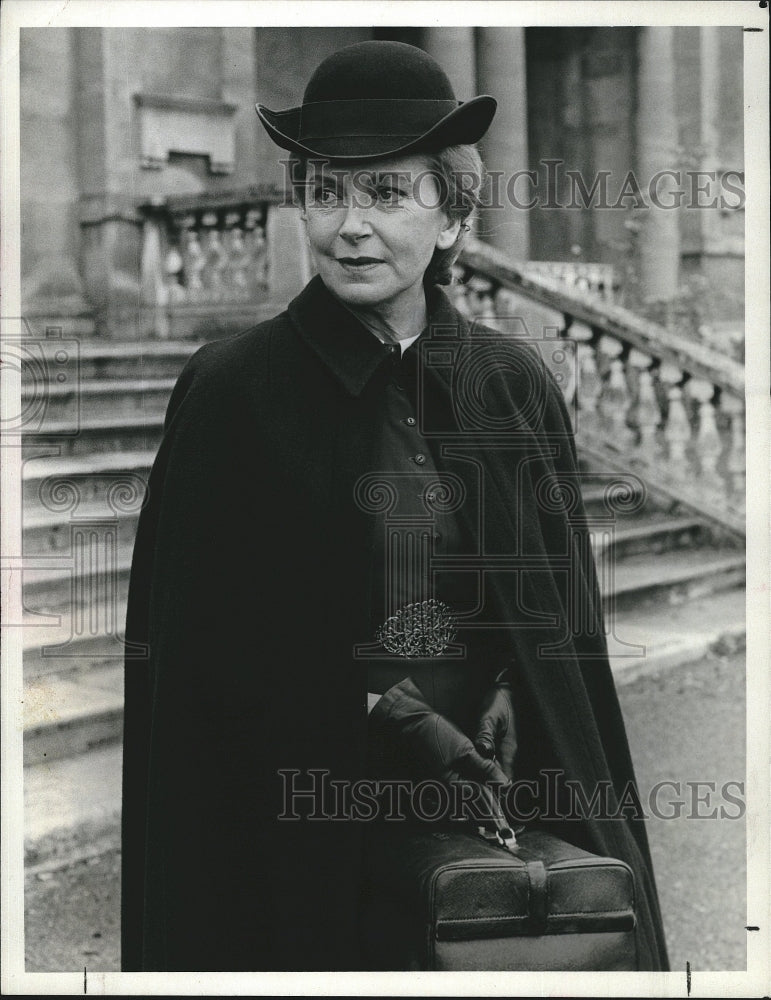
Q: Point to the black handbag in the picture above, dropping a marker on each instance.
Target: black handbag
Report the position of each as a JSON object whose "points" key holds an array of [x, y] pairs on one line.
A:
{"points": [[439, 899]]}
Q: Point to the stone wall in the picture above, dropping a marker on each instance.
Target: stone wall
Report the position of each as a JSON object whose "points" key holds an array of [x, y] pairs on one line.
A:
{"points": [[621, 99], [113, 118]]}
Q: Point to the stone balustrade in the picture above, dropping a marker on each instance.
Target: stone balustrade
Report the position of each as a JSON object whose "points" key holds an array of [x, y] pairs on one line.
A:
{"points": [[205, 255], [212, 256], [644, 399], [580, 276]]}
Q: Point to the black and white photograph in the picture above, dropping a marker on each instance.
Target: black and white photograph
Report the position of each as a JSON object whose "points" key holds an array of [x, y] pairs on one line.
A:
{"points": [[385, 476]]}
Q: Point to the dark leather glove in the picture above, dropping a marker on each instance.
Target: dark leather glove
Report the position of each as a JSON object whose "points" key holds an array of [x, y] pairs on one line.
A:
{"points": [[433, 746], [496, 733]]}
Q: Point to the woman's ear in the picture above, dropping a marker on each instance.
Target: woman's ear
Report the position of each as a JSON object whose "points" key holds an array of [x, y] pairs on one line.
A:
{"points": [[448, 234]]}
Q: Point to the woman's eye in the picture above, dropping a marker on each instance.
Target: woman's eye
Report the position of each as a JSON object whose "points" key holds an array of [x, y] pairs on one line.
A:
{"points": [[325, 196], [389, 195]]}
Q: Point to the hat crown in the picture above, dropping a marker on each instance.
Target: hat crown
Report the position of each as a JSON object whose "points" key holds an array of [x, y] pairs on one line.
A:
{"points": [[375, 100], [379, 70]]}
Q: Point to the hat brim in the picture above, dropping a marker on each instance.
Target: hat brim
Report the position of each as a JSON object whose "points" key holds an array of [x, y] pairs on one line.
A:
{"points": [[464, 125]]}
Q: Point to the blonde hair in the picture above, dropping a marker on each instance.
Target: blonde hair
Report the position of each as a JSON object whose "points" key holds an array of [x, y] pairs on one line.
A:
{"points": [[461, 174]]}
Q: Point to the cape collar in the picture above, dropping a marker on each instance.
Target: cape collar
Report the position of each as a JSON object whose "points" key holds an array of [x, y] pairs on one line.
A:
{"points": [[349, 350]]}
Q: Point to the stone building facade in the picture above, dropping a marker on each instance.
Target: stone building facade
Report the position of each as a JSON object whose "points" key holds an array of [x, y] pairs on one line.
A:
{"points": [[116, 121]]}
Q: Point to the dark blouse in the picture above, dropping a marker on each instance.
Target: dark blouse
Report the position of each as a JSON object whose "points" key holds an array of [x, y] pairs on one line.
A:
{"points": [[418, 601]]}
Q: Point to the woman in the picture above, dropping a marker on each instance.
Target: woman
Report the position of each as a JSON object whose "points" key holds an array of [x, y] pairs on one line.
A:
{"points": [[350, 511]]}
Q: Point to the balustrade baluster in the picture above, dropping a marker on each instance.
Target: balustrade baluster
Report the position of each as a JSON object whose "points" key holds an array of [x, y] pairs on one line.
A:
{"points": [[733, 407], [677, 433], [260, 262], [614, 404], [215, 260], [579, 331], [195, 263], [154, 293], [590, 383], [480, 298], [173, 267], [237, 262], [647, 416], [507, 309], [458, 293], [636, 363], [708, 443], [152, 263], [486, 311], [608, 348]]}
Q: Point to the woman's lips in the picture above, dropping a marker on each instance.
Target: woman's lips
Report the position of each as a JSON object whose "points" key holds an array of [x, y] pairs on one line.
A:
{"points": [[358, 263]]}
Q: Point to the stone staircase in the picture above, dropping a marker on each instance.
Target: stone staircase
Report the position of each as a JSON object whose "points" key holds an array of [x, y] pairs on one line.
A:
{"points": [[83, 482], [672, 583]]}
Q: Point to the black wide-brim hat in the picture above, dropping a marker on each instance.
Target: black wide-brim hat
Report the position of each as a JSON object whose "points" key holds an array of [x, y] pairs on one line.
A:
{"points": [[378, 99]]}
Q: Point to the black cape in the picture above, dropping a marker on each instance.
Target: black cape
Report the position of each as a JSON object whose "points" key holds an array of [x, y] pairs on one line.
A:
{"points": [[246, 590]]}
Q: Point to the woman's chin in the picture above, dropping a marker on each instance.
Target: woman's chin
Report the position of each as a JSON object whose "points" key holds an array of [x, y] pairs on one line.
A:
{"points": [[358, 292]]}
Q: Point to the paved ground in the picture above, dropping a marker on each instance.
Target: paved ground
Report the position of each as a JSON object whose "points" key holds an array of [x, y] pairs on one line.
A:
{"points": [[685, 725], [688, 725]]}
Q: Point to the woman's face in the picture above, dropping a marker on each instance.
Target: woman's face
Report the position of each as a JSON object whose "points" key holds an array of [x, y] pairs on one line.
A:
{"points": [[373, 228]]}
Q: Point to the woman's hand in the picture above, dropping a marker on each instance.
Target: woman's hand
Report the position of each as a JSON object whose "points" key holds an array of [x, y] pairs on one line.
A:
{"points": [[496, 733], [435, 748], [429, 740]]}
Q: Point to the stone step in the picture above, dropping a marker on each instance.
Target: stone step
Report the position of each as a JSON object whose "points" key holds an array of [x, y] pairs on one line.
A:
{"points": [[48, 582], [91, 634], [622, 499], [72, 804], [599, 503], [112, 484], [50, 535], [659, 634], [62, 643], [72, 713], [65, 715], [92, 399], [85, 479], [51, 586], [639, 579], [84, 437], [96, 359], [650, 533]]}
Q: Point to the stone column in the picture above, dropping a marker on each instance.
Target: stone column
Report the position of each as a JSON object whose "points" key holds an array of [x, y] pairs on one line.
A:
{"points": [[453, 49], [107, 66], [709, 80], [50, 278], [501, 71], [239, 60], [657, 142], [721, 236]]}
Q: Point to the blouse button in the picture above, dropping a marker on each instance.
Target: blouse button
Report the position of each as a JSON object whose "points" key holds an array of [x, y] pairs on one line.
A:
{"points": [[410, 421], [420, 459]]}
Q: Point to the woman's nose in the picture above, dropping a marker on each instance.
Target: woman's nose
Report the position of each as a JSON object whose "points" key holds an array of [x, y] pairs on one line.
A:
{"points": [[355, 223]]}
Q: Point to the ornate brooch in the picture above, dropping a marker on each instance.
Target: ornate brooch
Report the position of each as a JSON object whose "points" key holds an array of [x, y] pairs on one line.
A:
{"points": [[422, 629]]}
